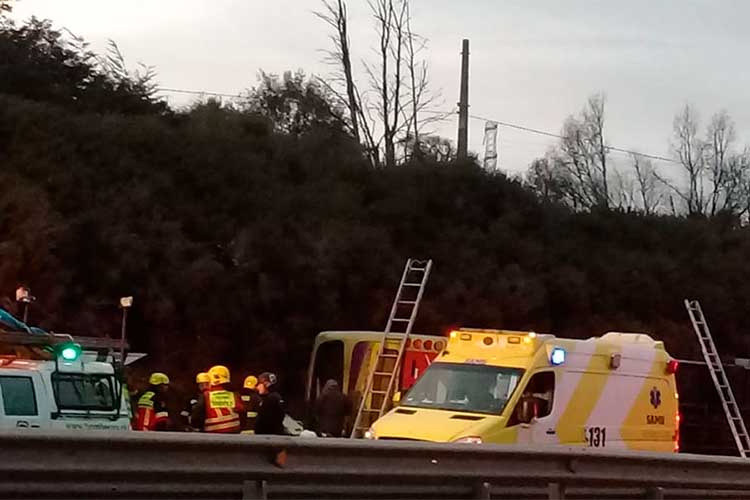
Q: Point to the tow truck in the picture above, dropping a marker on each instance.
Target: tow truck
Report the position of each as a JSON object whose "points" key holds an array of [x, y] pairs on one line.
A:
{"points": [[56, 381]]}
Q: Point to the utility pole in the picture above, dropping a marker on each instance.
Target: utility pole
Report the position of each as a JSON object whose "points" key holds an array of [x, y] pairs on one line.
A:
{"points": [[463, 104]]}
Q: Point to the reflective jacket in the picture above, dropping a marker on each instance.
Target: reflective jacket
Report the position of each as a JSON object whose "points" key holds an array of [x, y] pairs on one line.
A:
{"points": [[223, 409], [151, 414]]}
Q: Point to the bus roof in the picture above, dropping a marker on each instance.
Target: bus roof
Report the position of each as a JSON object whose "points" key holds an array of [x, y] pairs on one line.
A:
{"points": [[370, 335]]}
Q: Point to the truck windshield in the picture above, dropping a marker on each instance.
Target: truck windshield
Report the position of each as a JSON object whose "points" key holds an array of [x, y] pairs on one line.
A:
{"points": [[464, 387], [76, 391]]}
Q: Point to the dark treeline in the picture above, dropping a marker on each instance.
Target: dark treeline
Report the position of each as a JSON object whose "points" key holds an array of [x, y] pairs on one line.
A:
{"points": [[243, 230]]}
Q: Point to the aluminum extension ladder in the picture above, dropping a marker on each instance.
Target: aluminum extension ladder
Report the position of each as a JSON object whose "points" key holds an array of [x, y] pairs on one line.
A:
{"points": [[719, 376], [384, 372]]}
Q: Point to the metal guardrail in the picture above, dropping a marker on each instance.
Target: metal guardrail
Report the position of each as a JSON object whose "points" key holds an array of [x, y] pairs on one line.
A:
{"points": [[169, 465]]}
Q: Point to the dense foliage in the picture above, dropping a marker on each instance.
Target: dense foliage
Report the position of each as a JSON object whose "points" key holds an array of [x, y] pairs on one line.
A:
{"points": [[244, 230]]}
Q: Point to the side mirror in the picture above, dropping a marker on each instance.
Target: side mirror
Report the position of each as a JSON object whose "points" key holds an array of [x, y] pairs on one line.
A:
{"points": [[396, 397]]}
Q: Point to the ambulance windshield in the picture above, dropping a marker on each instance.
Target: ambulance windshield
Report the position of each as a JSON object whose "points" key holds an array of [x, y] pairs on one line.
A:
{"points": [[464, 387], [77, 391]]}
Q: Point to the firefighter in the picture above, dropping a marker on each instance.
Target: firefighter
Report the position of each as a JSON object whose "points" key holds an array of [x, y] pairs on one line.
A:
{"points": [[204, 382], [152, 414], [271, 412], [251, 401], [221, 408]]}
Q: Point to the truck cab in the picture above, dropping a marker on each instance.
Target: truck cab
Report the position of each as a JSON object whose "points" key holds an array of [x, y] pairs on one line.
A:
{"points": [[43, 394]]}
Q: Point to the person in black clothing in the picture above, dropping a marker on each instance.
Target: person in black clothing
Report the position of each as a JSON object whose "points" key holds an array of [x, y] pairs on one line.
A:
{"points": [[271, 413], [331, 410]]}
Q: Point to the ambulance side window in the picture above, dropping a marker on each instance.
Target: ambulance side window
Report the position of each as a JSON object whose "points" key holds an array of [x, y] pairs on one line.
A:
{"points": [[537, 398], [19, 399]]}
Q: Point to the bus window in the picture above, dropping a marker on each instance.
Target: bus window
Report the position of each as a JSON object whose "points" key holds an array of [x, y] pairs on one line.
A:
{"points": [[329, 364]]}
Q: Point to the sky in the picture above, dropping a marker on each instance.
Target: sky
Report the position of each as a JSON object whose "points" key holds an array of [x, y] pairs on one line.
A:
{"points": [[533, 63]]}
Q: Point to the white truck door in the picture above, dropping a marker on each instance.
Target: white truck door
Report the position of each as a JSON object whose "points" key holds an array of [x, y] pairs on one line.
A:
{"points": [[19, 402]]}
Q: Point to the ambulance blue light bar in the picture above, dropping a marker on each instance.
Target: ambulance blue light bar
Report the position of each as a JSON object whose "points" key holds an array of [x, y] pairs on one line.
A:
{"points": [[558, 356]]}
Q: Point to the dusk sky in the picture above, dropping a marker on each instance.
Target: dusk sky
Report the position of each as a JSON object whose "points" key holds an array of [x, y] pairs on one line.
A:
{"points": [[532, 63]]}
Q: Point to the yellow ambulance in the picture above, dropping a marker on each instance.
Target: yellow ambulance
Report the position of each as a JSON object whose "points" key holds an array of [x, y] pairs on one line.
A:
{"points": [[498, 386]]}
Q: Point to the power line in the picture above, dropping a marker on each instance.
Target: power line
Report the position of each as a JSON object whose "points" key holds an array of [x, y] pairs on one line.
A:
{"points": [[558, 136], [437, 112], [198, 92]]}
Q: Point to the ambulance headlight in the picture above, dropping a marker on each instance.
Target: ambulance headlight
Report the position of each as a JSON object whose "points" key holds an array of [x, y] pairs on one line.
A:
{"points": [[370, 434], [558, 356]]}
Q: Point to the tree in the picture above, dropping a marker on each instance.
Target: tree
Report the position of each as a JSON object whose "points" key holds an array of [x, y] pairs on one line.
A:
{"points": [[336, 16], [647, 185], [294, 104], [581, 158], [712, 171], [689, 150], [398, 80], [41, 63], [720, 138], [549, 180]]}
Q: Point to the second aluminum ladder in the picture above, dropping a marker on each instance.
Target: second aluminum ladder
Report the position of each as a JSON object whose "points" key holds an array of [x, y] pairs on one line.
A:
{"points": [[719, 376]]}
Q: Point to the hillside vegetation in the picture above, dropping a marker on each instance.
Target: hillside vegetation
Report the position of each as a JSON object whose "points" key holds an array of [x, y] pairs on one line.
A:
{"points": [[244, 229]]}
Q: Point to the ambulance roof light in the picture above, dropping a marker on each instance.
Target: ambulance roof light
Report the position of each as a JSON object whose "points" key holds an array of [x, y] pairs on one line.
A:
{"points": [[558, 356]]}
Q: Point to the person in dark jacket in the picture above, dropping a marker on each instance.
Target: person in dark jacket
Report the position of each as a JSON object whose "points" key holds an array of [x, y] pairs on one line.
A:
{"points": [[271, 413], [331, 410]]}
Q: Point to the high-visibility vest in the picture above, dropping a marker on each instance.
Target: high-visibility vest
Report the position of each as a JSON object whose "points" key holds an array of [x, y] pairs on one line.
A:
{"points": [[222, 411], [151, 415]]}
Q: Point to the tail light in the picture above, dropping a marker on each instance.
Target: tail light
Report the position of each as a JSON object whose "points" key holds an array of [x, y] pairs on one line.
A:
{"points": [[672, 366]]}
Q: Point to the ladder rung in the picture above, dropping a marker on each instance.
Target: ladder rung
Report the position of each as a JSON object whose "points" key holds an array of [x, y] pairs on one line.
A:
{"points": [[401, 320], [382, 393], [390, 356], [413, 284], [407, 302], [383, 374], [371, 410]]}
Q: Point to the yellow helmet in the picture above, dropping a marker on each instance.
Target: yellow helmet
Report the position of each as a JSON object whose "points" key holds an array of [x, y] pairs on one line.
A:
{"points": [[219, 375], [250, 382], [158, 378], [202, 378]]}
